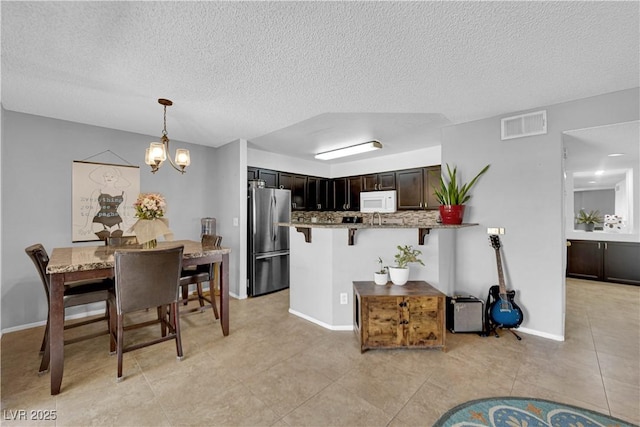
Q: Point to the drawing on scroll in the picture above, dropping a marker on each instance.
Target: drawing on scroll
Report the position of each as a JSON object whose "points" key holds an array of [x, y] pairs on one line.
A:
{"points": [[102, 200]]}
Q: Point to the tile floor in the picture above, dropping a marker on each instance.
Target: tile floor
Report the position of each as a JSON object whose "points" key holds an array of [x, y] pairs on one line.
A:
{"points": [[275, 369]]}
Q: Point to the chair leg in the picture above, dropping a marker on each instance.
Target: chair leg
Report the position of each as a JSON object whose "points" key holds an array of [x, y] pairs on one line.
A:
{"points": [[44, 363], [176, 326], [45, 336], [162, 315], [113, 328], [185, 295], [200, 296], [212, 295], [120, 341]]}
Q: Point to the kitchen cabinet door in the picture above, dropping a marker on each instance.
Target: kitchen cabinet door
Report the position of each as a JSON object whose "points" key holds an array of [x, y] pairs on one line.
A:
{"points": [[353, 196], [585, 259], [379, 181], [318, 195], [270, 177], [410, 188], [298, 186], [370, 182], [252, 173], [431, 176], [340, 194], [621, 262]]}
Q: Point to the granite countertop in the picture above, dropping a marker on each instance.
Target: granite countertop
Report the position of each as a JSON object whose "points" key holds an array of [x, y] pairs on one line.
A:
{"points": [[361, 225], [80, 258]]}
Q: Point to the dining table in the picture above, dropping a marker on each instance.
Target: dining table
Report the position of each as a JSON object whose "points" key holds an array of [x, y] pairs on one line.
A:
{"points": [[76, 263]]}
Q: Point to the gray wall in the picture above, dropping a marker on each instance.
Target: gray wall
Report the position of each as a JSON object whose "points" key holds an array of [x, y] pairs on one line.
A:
{"points": [[37, 155], [522, 192]]}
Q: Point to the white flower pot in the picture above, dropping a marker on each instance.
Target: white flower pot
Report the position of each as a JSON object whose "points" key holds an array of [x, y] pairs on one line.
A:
{"points": [[399, 276], [380, 278]]}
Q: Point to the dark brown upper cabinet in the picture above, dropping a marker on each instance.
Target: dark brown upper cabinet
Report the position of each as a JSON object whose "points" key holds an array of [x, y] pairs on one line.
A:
{"points": [[298, 186], [415, 188], [346, 193], [270, 177], [318, 194], [379, 181]]}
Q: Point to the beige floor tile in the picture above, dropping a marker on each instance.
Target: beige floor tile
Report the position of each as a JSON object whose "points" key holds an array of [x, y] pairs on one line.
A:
{"points": [[337, 406], [275, 369]]}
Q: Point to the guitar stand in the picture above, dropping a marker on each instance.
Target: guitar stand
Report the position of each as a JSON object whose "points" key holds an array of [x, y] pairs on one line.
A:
{"points": [[510, 330], [494, 330]]}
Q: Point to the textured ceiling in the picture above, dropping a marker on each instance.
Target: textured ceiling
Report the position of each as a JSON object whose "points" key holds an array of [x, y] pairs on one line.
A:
{"points": [[296, 77]]}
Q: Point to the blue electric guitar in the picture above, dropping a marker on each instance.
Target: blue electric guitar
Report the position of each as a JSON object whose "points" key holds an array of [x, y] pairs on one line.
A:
{"points": [[503, 311]]}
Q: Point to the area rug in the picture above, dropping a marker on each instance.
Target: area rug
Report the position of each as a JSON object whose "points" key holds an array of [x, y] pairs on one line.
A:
{"points": [[524, 412]]}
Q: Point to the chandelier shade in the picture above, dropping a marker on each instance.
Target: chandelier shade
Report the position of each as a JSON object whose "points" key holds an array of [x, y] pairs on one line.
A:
{"points": [[156, 154]]}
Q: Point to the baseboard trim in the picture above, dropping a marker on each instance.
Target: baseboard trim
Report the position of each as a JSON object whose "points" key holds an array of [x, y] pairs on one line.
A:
{"points": [[320, 323]]}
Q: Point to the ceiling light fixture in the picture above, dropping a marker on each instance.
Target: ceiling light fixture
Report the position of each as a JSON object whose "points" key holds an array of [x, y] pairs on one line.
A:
{"points": [[615, 154], [349, 151], [157, 152]]}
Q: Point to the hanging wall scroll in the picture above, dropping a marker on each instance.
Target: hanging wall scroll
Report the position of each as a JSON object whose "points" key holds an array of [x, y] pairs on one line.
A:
{"points": [[102, 200]]}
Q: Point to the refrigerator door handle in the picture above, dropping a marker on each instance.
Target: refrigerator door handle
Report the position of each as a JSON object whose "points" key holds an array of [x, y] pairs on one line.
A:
{"points": [[274, 235], [253, 212], [272, 255]]}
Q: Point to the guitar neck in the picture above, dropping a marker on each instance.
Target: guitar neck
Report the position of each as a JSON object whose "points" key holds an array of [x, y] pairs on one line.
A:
{"points": [[503, 288]]}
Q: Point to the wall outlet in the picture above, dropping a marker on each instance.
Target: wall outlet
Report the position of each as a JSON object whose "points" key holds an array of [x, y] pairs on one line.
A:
{"points": [[236, 222], [495, 230], [344, 298]]}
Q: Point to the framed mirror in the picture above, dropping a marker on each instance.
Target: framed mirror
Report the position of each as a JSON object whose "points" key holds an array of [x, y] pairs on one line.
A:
{"points": [[602, 176]]}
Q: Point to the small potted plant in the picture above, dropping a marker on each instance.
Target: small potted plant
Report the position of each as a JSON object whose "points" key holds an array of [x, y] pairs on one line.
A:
{"points": [[452, 196], [381, 277], [400, 272], [589, 219]]}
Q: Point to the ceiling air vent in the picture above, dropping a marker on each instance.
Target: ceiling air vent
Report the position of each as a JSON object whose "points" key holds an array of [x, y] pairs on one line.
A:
{"points": [[524, 125]]}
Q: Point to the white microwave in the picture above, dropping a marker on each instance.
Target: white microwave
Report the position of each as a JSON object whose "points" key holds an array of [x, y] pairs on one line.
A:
{"points": [[378, 201]]}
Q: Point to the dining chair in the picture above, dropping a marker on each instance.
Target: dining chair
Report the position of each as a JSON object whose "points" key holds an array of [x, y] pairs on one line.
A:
{"points": [[197, 275], [145, 279], [75, 294]]}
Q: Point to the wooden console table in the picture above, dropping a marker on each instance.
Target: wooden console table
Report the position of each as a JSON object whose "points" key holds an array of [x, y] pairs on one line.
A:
{"points": [[390, 316]]}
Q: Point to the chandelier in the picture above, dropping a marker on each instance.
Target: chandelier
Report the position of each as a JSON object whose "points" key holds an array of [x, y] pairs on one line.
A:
{"points": [[157, 151]]}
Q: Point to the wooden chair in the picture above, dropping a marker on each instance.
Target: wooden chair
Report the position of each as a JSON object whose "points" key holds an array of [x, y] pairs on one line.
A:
{"points": [[146, 279], [198, 275], [75, 294]]}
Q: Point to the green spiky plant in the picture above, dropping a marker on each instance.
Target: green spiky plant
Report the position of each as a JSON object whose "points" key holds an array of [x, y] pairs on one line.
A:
{"points": [[383, 269], [452, 193], [593, 217]]}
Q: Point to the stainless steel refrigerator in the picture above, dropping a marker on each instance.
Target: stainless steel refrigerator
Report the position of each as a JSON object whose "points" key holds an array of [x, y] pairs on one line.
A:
{"points": [[268, 244]]}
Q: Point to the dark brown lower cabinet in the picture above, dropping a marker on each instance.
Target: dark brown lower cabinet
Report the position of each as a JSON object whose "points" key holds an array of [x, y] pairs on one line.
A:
{"points": [[605, 261]]}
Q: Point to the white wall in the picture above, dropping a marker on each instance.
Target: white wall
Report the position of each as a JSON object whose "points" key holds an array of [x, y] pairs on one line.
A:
{"points": [[36, 196], [523, 192], [326, 267], [230, 186]]}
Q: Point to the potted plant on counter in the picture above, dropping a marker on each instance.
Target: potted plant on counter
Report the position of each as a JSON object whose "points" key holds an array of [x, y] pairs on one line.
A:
{"points": [[589, 219], [381, 277], [452, 196], [400, 272]]}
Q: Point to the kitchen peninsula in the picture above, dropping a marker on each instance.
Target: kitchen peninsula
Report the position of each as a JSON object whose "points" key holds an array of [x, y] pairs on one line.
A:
{"points": [[327, 257]]}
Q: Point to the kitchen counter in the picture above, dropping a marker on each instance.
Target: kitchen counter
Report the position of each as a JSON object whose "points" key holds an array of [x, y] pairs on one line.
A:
{"points": [[423, 228]]}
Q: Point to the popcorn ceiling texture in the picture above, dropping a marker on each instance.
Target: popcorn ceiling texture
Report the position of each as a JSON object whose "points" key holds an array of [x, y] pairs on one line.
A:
{"points": [[249, 69]]}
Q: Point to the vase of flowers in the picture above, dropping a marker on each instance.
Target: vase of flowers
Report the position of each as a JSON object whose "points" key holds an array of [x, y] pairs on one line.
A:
{"points": [[150, 209], [150, 206]]}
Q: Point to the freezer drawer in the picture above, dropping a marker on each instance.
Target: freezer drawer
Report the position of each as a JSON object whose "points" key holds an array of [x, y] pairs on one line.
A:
{"points": [[270, 273]]}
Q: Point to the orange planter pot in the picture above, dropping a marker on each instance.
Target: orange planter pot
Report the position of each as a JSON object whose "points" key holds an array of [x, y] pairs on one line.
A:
{"points": [[451, 214]]}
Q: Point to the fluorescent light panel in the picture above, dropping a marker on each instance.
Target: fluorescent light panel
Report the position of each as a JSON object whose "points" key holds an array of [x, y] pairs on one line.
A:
{"points": [[349, 151]]}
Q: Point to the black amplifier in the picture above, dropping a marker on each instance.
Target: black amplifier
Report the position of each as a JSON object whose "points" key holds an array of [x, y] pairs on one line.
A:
{"points": [[465, 313]]}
